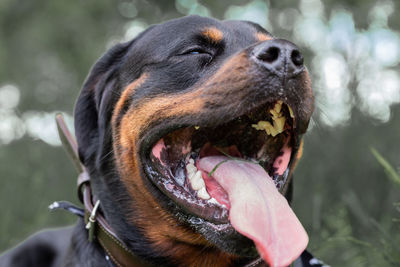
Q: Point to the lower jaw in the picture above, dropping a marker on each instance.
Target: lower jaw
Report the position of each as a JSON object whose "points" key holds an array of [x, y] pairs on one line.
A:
{"points": [[220, 234], [187, 207], [224, 237], [193, 210], [211, 221]]}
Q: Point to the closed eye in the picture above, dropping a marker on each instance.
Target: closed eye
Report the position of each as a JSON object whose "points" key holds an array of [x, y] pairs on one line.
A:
{"points": [[202, 55], [196, 51]]}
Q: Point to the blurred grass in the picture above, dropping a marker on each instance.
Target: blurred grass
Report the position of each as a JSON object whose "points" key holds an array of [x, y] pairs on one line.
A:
{"points": [[389, 170], [390, 244]]}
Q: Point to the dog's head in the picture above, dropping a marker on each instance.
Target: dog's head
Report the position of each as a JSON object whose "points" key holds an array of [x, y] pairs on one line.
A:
{"points": [[167, 123]]}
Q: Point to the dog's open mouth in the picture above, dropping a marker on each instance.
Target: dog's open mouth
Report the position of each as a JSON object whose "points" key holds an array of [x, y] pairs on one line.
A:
{"points": [[235, 173], [264, 136]]}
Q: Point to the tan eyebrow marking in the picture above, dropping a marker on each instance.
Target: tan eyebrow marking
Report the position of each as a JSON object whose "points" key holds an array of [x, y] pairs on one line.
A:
{"points": [[213, 34], [262, 36]]}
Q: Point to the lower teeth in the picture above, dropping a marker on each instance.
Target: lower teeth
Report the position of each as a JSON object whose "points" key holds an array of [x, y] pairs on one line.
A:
{"points": [[203, 194], [197, 183]]}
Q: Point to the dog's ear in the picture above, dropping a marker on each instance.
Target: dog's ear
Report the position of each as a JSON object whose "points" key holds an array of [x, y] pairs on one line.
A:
{"points": [[97, 97], [101, 82]]}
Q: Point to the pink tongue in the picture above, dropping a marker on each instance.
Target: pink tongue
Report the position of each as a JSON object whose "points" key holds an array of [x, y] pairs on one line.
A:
{"points": [[258, 210]]}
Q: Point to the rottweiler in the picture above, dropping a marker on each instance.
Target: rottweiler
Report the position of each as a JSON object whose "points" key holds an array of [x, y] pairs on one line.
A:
{"points": [[188, 136]]}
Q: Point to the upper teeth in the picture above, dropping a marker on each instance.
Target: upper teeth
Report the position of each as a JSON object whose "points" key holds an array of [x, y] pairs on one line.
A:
{"points": [[290, 111], [278, 120]]}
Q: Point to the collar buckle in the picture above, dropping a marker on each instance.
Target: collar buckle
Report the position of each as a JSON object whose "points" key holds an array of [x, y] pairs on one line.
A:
{"points": [[91, 221]]}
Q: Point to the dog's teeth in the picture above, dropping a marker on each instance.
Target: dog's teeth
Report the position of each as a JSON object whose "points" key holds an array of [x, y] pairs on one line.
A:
{"points": [[213, 201], [262, 125], [191, 175], [197, 181], [278, 106], [203, 194], [279, 123], [274, 113], [266, 126], [191, 169], [290, 111]]}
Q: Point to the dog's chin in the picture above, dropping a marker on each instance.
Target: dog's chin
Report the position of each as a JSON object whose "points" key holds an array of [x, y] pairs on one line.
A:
{"points": [[224, 236], [171, 156]]}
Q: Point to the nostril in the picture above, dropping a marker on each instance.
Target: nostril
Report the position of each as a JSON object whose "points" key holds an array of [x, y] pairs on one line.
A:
{"points": [[279, 56], [270, 55], [297, 58]]}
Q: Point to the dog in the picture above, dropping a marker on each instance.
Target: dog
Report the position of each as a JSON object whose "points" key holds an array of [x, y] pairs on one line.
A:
{"points": [[188, 136]]}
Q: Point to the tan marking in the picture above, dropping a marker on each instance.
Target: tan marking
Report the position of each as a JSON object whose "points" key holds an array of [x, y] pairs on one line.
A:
{"points": [[213, 34], [293, 165], [262, 36], [128, 91], [167, 233], [300, 150], [136, 121]]}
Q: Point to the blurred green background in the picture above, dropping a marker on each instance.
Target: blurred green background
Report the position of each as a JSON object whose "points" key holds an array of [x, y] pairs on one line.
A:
{"points": [[352, 49]]}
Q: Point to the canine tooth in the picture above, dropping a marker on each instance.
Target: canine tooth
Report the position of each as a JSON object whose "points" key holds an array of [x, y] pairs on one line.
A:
{"points": [[197, 181], [290, 111], [203, 194], [191, 161]]}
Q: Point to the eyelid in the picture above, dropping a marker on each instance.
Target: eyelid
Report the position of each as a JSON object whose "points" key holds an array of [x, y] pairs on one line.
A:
{"points": [[196, 51]]}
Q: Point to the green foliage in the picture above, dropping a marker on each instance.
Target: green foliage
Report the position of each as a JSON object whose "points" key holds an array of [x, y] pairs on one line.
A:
{"points": [[390, 244], [389, 170], [377, 245]]}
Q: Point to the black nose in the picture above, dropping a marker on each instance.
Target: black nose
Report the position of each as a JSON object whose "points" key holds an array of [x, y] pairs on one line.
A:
{"points": [[279, 56]]}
